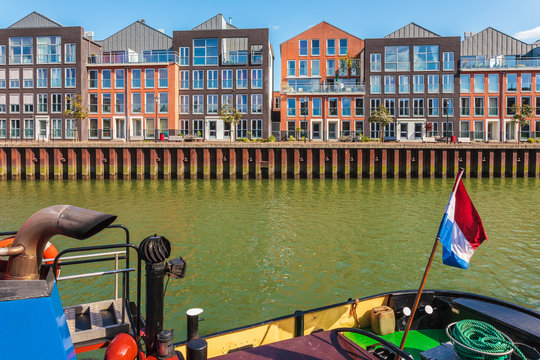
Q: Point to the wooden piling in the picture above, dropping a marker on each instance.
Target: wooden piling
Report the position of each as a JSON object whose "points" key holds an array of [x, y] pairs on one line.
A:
{"points": [[30, 167], [58, 164], [206, 164], [154, 166], [503, 163], [85, 165], [491, 163], [126, 164], [167, 160], [420, 160], [271, 164], [322, 164], [384, 162], [347, 164], [113, 164], [334, 164], [193, 165], [432, 164], [525, 164], [219, 164], [444, 170], [514, 163], [245, 164], [232, 163], [537, 171], [309, 164], [258, 160], [140, 164], [180, 164], [15, 164], [100, 164], [283, 163], [359, 163], [296, 169], [456, 163], [3, 165], [479, 164], [72, 164], [396, 164], [371, 164], [468, 164], [408, 164]]}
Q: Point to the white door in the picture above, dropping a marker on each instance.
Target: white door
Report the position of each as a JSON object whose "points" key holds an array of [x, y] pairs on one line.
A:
{"points": [[43, 129]]}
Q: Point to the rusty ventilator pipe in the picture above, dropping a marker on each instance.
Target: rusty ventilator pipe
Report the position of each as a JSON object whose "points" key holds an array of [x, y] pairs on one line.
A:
{"points": [[33, 235]]}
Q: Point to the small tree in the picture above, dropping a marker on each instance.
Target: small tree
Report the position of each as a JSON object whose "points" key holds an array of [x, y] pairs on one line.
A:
{"points": [[381, 116], [522, 116], [230, 116], [77, 111]]}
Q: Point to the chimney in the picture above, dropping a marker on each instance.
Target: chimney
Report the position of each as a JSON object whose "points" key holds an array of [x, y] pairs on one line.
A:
{"points": [[230, 20], [89, 35], [143, 21]]}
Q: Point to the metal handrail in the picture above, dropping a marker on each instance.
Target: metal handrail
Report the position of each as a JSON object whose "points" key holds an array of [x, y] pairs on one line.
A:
{"points": [[98, 273], [87, 256]]}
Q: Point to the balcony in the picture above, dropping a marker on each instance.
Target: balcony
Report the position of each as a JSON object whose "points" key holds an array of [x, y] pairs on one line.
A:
{"points": [[242, 57], [514, 64], [145, 57], [324, 88]]}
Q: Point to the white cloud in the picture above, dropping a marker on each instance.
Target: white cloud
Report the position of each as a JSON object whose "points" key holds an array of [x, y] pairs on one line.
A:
{"points": [[275, 27], [529, 36]]}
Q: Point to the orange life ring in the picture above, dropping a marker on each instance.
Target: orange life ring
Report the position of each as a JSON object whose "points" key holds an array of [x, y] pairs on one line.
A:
{"points": [[50, 251]]}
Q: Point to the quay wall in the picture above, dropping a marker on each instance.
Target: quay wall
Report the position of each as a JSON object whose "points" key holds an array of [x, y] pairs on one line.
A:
{"points": [[162, 160]]}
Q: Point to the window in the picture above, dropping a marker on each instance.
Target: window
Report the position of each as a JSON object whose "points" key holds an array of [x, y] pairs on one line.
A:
{"points": [[479, 83], [21, 50], [404, 107], [28, 102], [390, 104], [15, 128], [375, 84], [184, 104], [330, 67], [465, 83], [184, 79], [302, 68], [56, 103], [315, 47], [49, 50], [375, 128], [2, 103], [106, 128], [93, 129], [241, 79], [346, 107], [256, 128], [316, 107], [226, 100], [404, 84], [29, 128], [92, 79], [277, 102], [70, 54], [291, 107], [375, 63], [118, 78], [359, 107], [426, 57], [510, 102], [404, 130], [2, 78], [478, 106], [226, 79], [149, 78], [150, 128], [493, 106], [526, 82], [198, 128], [56, 78], [212, 104], [14, 78], [198, 79], [14, 103], [448, 84], [184, 56], [198, 104], [435, 130], [149, 103], [212, 79], [526, 100], [343, 47], [448, 61], [433, 83], [43, 102], [205, 51], [184, 127], [256, 78], [359, 128], [538, 82], [291, 68], [333, 107], [163, 102], [28, 78], [241, 129], [330, 47], [432, 107], [493, 83], [92, 103], [136, 103], [418, 83], [396, 58], [119, 103], [68, 98], [465, 106], [374, 105], [315, 68], [241, 103], [448, 107], [71, 80], [511, 82], [256, 104], [303, 48], [389, 84], [136, 78], [478, 130], [163, 78], [418, 107], [3, 54]]}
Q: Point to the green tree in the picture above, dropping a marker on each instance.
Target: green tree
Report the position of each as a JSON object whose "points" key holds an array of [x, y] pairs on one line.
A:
{"points": [[230, 116], [381, 116], [522, 116], [77, 111]]}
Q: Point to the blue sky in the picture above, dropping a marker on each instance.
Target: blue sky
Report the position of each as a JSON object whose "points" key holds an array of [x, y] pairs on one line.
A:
{"points": [[285, 19]]}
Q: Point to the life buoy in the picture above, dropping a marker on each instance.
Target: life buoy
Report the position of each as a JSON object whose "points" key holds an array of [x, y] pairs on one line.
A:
{"points": [[50, 251]]}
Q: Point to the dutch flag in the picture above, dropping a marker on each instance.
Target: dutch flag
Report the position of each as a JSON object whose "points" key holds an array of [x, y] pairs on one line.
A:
{"points": [[461, 230]]}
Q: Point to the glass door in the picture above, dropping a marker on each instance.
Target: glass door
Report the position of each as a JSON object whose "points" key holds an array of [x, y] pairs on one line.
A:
{"points": [[120, 129], [212, 128], [316, 130]]}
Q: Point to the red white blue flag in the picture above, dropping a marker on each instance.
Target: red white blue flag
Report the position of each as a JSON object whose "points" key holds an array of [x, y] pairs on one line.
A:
{"points": [[461, 230]]}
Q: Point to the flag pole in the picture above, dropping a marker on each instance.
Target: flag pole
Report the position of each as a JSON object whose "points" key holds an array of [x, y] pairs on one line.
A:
{"points": [[426, 272]]}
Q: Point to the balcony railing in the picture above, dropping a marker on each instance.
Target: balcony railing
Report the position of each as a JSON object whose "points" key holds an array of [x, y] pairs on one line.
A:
{"points": [[154, 56], [242, 57], [324, 88], [501, 64]]}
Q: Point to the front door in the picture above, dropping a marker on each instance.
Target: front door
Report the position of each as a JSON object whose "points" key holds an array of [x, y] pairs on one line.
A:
{"points": [[332, 130], [491, 131], [510, 129], [120, 129], [43, 129], [212, 129]]}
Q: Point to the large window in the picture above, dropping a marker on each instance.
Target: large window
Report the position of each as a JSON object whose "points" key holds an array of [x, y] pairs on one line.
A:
{"points": [[149, 103], [359, 107], [418, 83], [212, 79], [465, 106], [375, 63], [330, 67], [256, 78], [212, 104], [56, 78], [448, 107], [2, 78], [493, 83], [448, 84], [526, 82], [28, 78], [302, 68], [136, 103], [390, 104], [256, 104], [2, 103], [163, 78], [426, 57], [226, 79], [316, 108], [56, 103], [92, 78], [389, 84], [198, 79], [343, 47], [291, 68], [345, 106], [493, 106], [119, 103], [433, 107], [163, 102], [21, 50], [465, 83], [291, 107], [479, 83], [404, 84], [71, 80], [375, 84], [302, 48], [241, 103], [198, 104], [149, 78], [242, 78], [315, 47], [92, 103], [315, 68], [49, 50], [136, 78], [14, 79], [15, 128], [29, 128], [433, 83], [478, 106], [43, 103], [15, 103], [511, 82], [256, 128], [2, 54], [404, 107], [184, 104], [418, 107], [448, 61], [331, 47], [510, 102], [70, 54], [333, 107], [396, 58], [184, 79], [28, 102], [184, 56], [205, 51]]}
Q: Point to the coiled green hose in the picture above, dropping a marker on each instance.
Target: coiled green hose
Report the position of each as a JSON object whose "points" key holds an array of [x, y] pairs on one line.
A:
{"points": [[483, 337]]}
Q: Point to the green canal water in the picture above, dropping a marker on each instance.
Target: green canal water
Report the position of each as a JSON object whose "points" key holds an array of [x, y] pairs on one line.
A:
{"points": [[262, 249]]}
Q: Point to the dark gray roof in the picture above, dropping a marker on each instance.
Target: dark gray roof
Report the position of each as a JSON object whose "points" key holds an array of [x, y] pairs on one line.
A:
{"points": [[137, 37], [411, 31], [35, 20], [218, 22], [490, 43]]}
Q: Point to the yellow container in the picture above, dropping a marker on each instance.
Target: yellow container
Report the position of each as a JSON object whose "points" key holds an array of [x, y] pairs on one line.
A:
{"points": [[383, 320]]}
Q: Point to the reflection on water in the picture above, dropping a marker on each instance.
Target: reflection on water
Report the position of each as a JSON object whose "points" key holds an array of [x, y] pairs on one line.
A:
{"points": [[260, 249]]}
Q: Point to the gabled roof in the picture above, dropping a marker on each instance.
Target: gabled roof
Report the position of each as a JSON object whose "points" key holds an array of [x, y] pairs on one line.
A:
{"points": [[218, 22], [319, 25], [411, 31], [35, 20], [491, 42], [137, 37]]}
